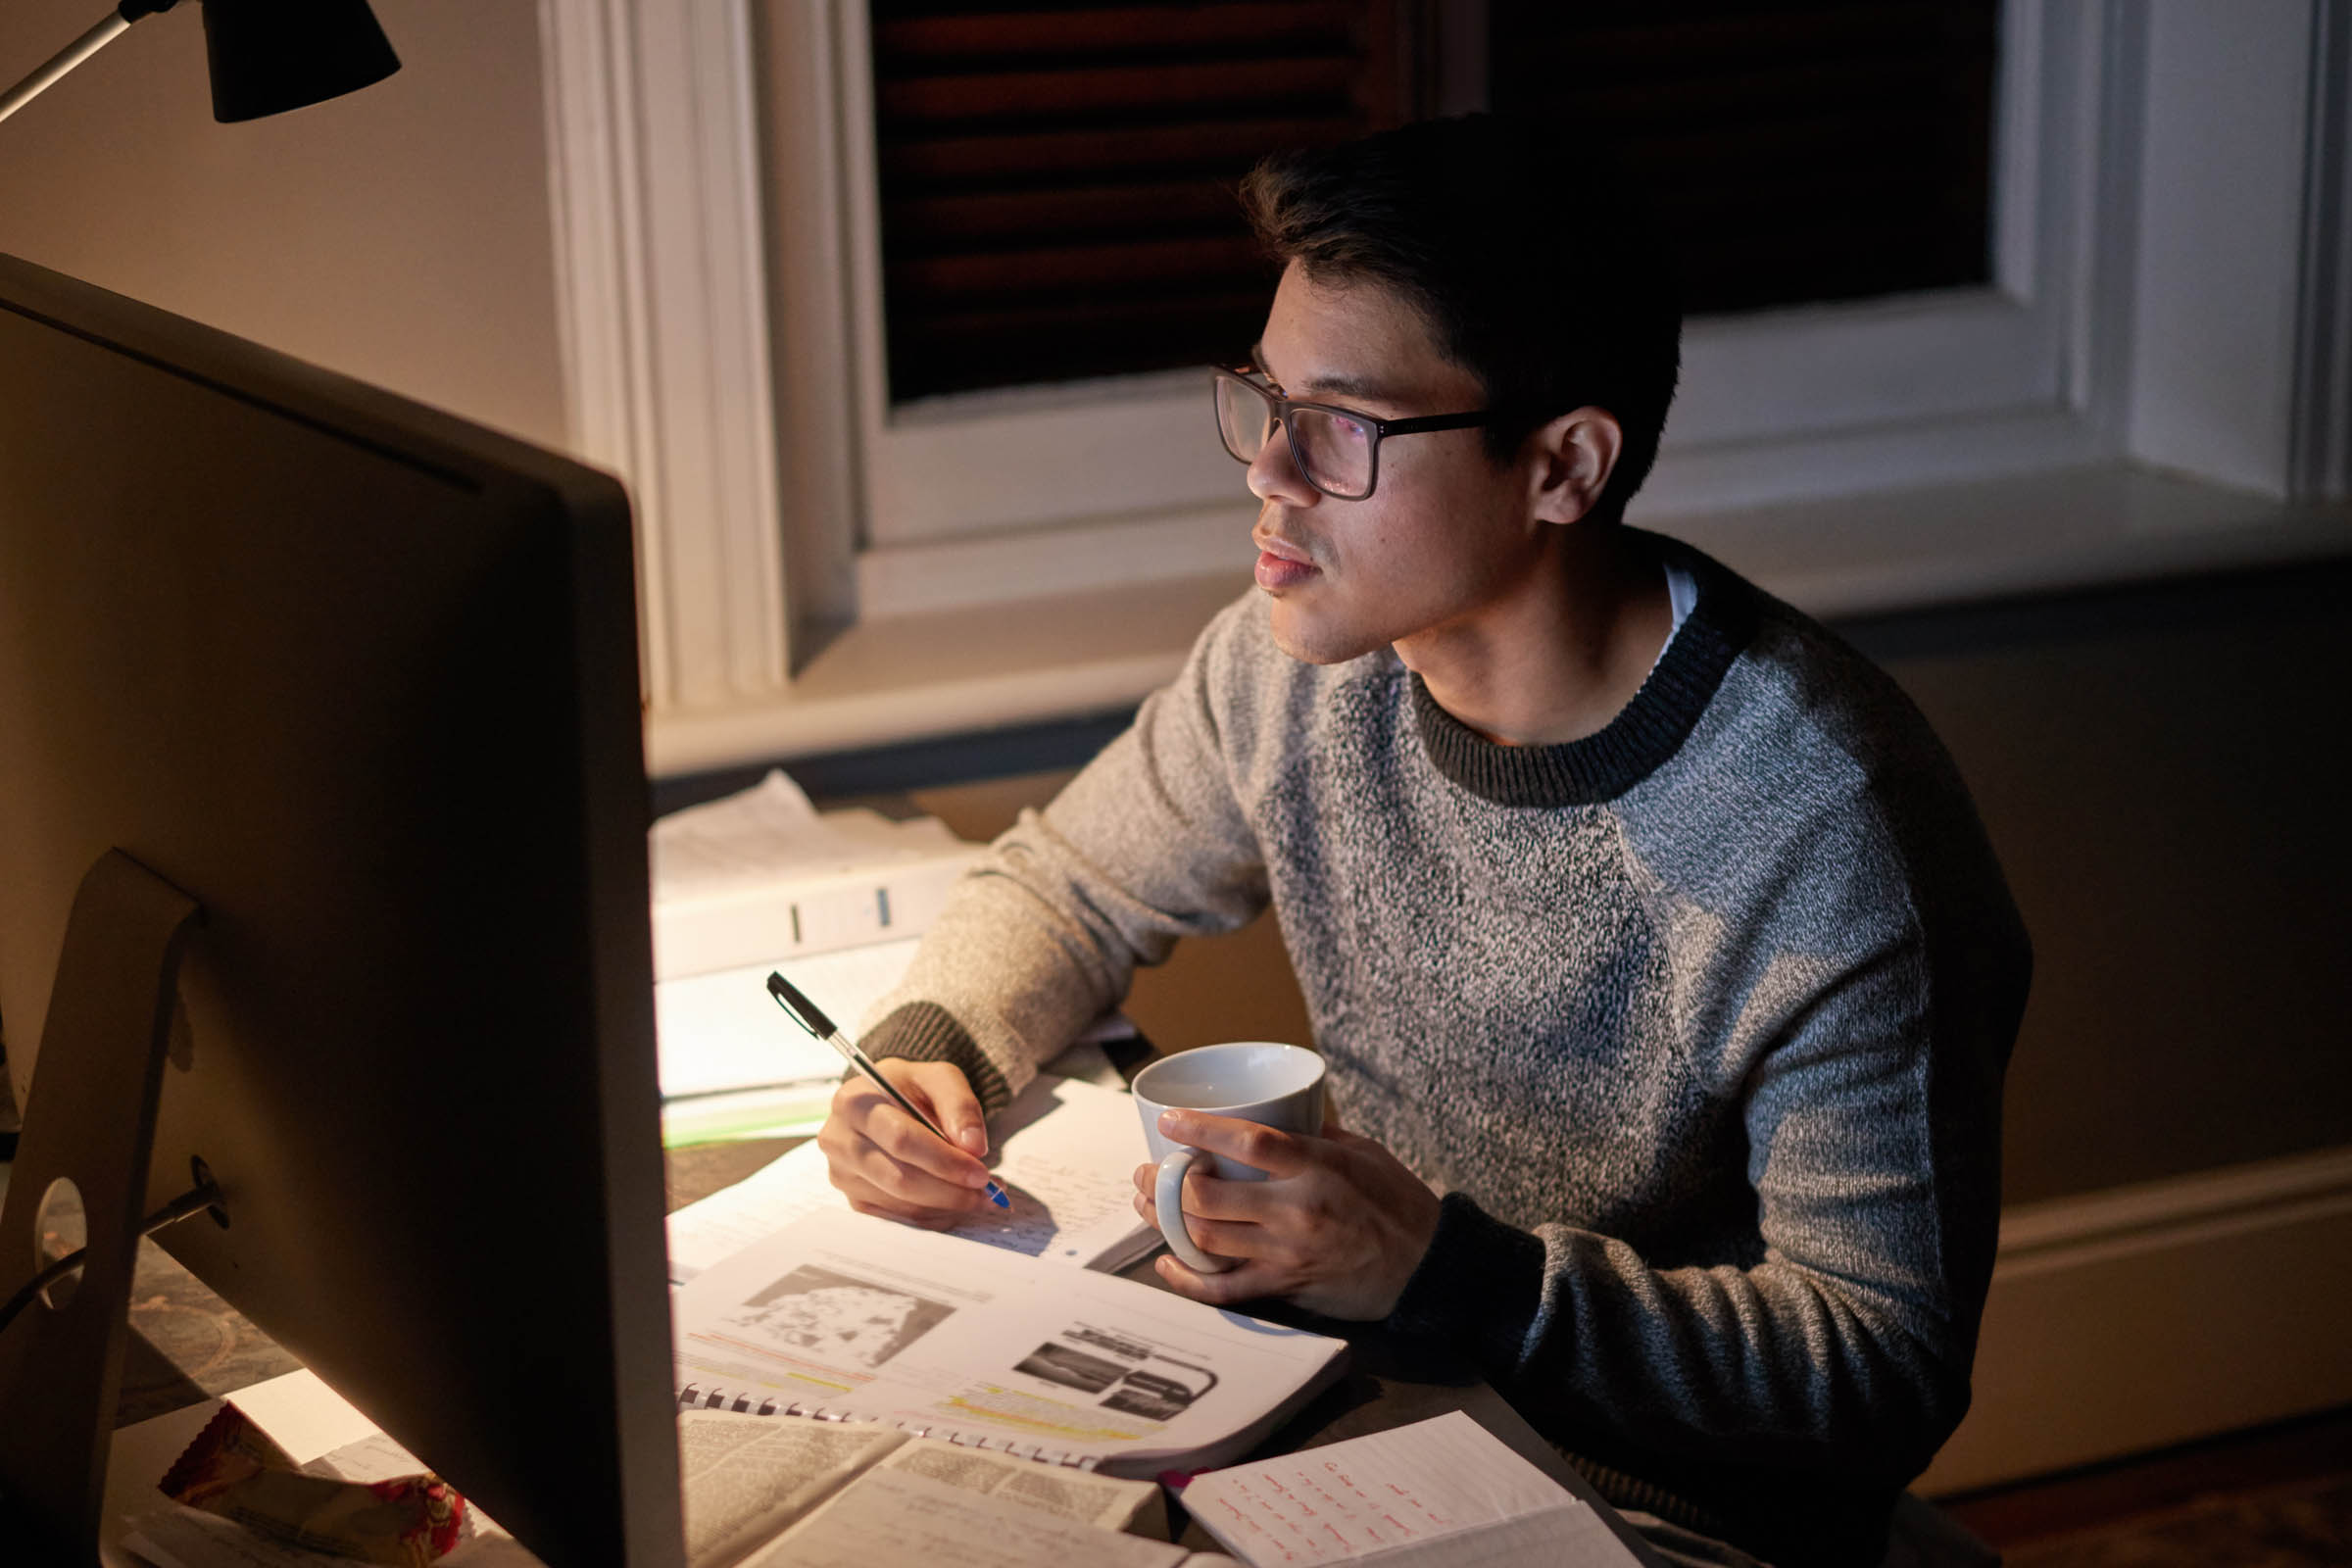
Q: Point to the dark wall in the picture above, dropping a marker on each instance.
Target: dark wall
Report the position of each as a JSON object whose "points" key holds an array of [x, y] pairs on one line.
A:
{"points": [[2159, 770]]}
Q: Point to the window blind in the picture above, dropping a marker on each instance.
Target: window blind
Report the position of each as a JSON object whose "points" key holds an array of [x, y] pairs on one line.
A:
{"points": [[1793, 152], [1057, 180]]}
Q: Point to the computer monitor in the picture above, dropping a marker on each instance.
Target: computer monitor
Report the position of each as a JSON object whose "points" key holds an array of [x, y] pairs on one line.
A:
{"points": [[360, 678]]}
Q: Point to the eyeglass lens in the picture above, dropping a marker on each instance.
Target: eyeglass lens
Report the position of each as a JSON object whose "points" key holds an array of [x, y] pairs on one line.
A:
{"points": [[1333, 451]]}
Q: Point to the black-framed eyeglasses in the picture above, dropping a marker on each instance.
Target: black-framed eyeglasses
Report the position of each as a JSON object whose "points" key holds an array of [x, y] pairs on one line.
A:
{"points": [[1337, 450]]}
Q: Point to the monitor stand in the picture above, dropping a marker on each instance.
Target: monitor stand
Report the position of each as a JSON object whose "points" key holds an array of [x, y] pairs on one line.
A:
{"points": [[90, 1122]]}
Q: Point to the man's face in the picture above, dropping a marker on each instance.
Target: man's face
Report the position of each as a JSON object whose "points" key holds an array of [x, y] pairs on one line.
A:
{"points": [[1444, 533]]}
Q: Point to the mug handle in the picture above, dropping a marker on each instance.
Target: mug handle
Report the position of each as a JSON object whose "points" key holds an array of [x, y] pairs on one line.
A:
{"points": [[1167, 1194]]}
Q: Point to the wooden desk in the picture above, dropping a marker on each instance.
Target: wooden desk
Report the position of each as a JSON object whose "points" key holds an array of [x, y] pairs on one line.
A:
{"points": [[188, 1344]]}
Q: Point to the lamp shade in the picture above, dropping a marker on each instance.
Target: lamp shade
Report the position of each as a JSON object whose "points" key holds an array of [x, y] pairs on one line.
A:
{"points": [[269, 56]]}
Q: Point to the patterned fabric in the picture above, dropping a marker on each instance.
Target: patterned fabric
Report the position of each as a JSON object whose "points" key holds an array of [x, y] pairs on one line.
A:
{"points": [[1699, 1023]]}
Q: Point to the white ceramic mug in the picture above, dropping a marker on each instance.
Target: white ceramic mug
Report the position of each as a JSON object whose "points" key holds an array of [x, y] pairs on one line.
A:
{"points": [[1255, 1080]]}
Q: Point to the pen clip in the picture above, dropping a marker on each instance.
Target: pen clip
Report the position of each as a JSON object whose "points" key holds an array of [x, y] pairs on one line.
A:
{"points": [[807, 1014]]}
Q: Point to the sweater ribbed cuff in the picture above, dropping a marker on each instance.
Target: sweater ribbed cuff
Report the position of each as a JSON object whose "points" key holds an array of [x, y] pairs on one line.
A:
{"points": [[1478, 1288], [925, 1031]]}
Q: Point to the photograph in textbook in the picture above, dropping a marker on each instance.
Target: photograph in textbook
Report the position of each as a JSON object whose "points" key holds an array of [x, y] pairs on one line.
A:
{"points": [[838, 1317]]}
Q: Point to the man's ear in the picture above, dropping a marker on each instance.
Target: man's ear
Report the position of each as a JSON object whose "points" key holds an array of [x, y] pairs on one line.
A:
{"points": [[1574, 457]]}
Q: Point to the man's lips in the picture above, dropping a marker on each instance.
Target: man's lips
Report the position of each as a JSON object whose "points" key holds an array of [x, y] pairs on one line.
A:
{"points": [[1281, 565]]}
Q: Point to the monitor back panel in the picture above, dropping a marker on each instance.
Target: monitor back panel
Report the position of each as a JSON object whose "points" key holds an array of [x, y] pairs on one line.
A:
{"points": [[362, 679]]}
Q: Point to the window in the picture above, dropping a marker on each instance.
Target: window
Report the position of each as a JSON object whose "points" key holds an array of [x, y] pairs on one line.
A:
{"points": [[1056, 183], [1692, 88]]}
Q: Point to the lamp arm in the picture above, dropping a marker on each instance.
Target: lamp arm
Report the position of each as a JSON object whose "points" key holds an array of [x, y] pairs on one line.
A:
{"points": [[117, 23]]}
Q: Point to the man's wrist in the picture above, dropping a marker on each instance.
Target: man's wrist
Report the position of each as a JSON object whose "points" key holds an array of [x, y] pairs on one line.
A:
{"points": [[925, 1031], [1477, 1288]]}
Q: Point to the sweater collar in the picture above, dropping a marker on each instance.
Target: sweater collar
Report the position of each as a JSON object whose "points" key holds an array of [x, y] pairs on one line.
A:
{"points": [[1646, 732]]}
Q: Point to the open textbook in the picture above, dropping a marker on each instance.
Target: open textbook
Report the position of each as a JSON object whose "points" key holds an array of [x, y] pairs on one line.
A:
{"points": [[847, 1317], [752, 1486], [1063, 1150]]}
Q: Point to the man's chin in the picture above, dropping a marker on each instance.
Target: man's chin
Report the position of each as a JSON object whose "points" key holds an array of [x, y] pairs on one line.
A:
{"points": [[1312, 641]]}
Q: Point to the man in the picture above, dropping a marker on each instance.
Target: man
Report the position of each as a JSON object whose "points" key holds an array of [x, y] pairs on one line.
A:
{"points": [[1663, 972]]}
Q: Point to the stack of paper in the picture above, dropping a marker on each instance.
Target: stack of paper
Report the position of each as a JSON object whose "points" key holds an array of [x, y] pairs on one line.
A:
{"points": [[735, 1066], [763, 875], [763, 880]]}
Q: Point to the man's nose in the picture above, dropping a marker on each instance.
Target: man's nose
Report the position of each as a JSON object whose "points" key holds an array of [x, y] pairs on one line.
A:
{"points": [[1274, 474]]}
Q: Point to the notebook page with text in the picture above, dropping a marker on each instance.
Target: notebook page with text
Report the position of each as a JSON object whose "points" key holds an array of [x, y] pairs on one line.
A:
{"points": [[1444, 1492]]}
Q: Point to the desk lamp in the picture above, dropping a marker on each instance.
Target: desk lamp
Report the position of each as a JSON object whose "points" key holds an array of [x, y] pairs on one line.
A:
{"points": [[266, 56]]}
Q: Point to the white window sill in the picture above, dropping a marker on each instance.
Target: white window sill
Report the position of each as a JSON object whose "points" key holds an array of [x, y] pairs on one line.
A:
{"points": [[902, 678]]}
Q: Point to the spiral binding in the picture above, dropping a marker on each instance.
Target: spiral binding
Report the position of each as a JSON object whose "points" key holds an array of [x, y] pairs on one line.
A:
{"points": [[693, 1398]]}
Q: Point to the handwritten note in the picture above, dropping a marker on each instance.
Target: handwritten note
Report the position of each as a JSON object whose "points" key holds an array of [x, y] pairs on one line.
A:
{"points": [[1440, 1492]]}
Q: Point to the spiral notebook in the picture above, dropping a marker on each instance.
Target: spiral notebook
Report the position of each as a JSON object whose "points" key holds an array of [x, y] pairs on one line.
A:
{"points": [[842, 1316]]}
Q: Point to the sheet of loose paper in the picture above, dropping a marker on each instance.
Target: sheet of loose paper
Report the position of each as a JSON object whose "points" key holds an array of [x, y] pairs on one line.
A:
{"points": [[770, 832], [1442, 1491], [1066, 1153], [717, 1032]]}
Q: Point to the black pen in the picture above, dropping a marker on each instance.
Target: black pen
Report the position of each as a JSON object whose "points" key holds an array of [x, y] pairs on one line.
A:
{"points": [[811, 1017]]}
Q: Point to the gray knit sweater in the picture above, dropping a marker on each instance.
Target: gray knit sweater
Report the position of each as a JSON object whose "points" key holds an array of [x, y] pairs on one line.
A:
{"points": [[1699, 1024]]}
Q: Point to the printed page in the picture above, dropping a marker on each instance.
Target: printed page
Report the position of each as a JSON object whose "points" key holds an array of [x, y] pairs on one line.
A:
{"points": [[1442, 1491], [716, 1228], [744, 1477], [1104, 1502], [1064, 1150], [896, 1519], [888, 1323]]}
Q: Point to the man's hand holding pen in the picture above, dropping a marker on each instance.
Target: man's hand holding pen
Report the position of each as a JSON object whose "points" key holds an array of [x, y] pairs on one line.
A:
{"points": [[903, 1142], [887, 1162]]}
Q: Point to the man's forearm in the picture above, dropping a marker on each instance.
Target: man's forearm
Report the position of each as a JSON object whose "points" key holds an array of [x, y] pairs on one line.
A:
{"points": [[1144, 847]]}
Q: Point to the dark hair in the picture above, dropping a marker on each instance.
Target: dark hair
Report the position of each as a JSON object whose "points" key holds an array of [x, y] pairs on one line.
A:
{"points": [[1535, 264]]}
